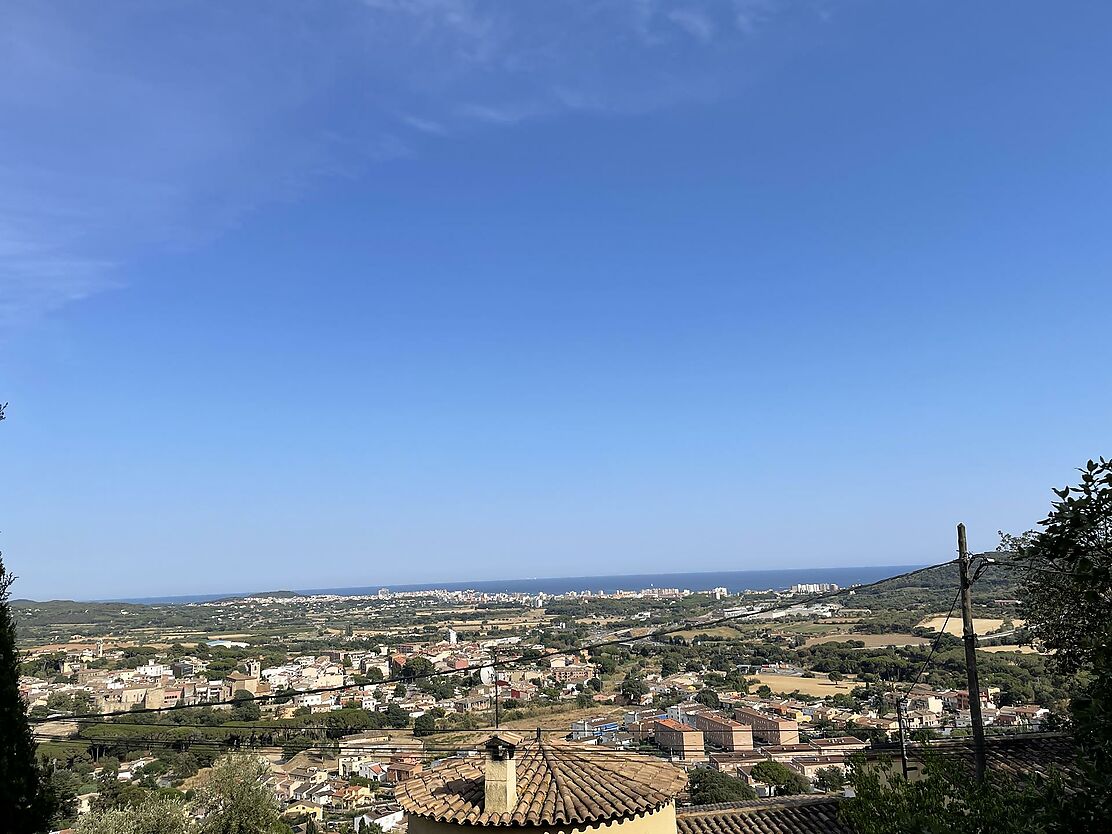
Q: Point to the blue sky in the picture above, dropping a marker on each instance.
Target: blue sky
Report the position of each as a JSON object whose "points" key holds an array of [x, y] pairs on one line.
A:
{"points": [[347, 293]]}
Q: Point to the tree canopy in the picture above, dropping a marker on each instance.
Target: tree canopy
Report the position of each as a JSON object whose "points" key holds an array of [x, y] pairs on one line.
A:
{"points": [[708, 786]]}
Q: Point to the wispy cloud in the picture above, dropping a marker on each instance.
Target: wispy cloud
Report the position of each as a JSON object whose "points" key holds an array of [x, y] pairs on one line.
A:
{"points": [[694, 22], [125, 135], [425, 125]]}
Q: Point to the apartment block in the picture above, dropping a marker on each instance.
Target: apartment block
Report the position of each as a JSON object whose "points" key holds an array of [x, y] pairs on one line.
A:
{"points": [[679, 739], [768, 728], [723, 732]]}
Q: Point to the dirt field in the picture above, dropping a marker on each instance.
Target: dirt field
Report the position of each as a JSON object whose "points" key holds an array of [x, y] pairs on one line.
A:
{"points": [[982, 625], [721, 632], [818, 686], [872, 640], [1015, 649]]}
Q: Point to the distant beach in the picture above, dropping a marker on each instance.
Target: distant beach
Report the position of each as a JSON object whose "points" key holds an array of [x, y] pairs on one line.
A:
{"points": [[733, 581]]}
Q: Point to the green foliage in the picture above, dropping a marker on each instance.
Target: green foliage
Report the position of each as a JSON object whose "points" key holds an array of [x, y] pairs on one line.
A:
{"points": [[397, 717], [634, 688], [417, 668], [783, 778], [25, 797], [234, 800], [154, 815], [709, 697], [1067, 594], [830, 778], [708, 786], [945, 801], [245, 708], [424, 725], [1068, 585]]}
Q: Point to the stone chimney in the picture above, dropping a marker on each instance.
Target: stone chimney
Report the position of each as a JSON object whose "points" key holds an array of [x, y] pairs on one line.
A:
{"points": [[500, 773]]}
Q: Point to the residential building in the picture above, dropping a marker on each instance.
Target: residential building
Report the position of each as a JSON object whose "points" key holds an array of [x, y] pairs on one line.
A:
{"points": [[680, 740], [723, 732], [542, 786], [770, 729]]}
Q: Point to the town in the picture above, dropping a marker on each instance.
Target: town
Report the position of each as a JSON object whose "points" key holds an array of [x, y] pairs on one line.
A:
{"points": [[746, 687]]}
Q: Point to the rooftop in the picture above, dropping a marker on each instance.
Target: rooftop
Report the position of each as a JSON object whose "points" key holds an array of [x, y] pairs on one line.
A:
{"points": [[556, 784], [782, 815]]}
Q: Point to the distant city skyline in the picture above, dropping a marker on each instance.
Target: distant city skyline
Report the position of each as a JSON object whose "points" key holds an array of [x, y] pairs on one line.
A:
{"points": [[373, 292], [696, 581]]}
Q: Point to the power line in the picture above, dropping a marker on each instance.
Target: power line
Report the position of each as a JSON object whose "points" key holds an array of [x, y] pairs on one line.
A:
{"points": [[937, 641], [542, 656]]}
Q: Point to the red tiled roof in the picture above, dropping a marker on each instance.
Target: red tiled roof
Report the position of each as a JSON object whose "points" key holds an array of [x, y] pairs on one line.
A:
{"points": [[556, 784]]}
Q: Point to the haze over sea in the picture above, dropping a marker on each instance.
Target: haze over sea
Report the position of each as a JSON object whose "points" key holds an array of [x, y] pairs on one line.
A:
{"points": [[733, 581]]}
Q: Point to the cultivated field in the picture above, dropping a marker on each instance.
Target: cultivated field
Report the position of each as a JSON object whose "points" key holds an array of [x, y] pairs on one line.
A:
{"points": [[872, 641], [721, 632], [1013, 649], [818, 686], [982, 625]]}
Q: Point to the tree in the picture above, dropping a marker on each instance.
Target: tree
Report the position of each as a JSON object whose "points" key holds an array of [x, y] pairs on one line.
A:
{"points": [[397, 717], [245, 708], [417, 668], [1067, 594], [634, 689], [25, 796], [156, 815], [64, 784], [234, 800], [830, 778], [709, 697], [783, 778], [1067, 590], [945, 801], [424, 725], [708, 786], [374, 675], [836, 676]]}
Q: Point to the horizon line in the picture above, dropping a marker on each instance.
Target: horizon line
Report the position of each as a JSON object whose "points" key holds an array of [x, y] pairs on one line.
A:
{"points": [[155, 599]]}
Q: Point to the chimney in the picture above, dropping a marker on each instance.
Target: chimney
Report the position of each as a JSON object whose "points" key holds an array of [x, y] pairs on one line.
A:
{"points": [[500, 773]]}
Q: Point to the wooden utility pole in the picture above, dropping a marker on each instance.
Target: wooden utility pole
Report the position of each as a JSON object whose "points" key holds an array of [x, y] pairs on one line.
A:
{"points": [[970, 638], [903, 736]]}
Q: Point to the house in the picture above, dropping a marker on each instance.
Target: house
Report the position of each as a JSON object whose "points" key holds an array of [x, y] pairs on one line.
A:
{"points": [[543, 786], [303, 808], [592, 728], [839, 744], [574, 673], [353, 796], [732, 763], [809, 766], [401, 771], [386, 817]]}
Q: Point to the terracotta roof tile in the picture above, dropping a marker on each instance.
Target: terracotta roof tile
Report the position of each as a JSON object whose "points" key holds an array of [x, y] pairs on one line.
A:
{"points": [[783, 815], [556, 784]]}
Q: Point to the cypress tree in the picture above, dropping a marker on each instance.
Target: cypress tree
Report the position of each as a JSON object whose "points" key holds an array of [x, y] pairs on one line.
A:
{"points": [[26, 805], [25, 801]]}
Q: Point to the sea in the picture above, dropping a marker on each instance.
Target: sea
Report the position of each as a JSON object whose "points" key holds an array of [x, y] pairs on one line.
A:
{"points": [[733, 581]]}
